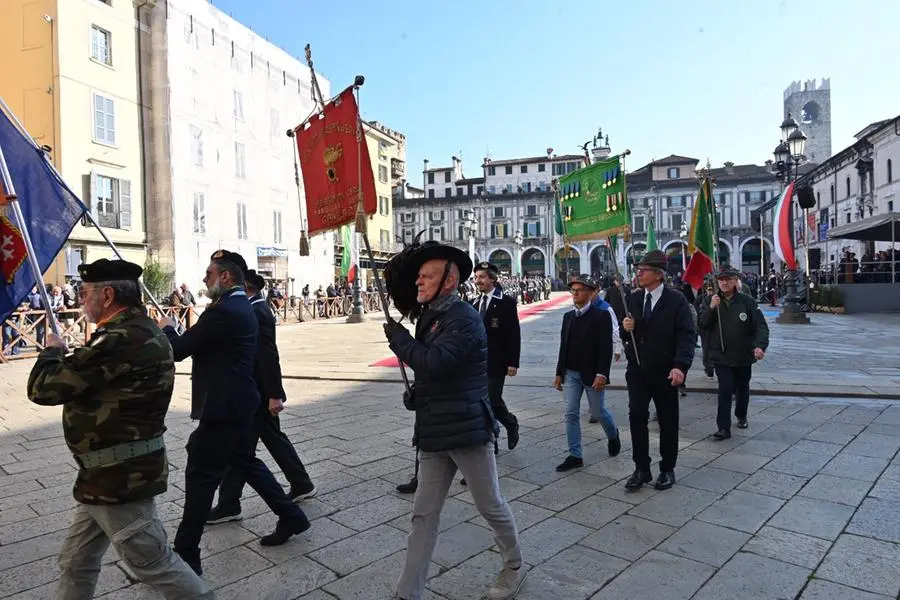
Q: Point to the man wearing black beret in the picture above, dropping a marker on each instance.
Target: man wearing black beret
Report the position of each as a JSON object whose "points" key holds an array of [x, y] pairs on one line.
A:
{"points": [[224, 399], [115, 392], [267, 373]]}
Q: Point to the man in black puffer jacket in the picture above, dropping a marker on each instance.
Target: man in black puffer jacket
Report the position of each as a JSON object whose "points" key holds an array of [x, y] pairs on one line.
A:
{"points": [[455, 428]]}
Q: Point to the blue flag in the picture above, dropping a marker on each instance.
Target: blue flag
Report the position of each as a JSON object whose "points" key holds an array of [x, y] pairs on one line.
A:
{"points": [[50, 208]]}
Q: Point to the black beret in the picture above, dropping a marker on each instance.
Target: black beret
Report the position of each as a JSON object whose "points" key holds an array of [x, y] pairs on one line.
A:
{"points": [[232, 257], [255, 279], [109, 270], [486, 266]]}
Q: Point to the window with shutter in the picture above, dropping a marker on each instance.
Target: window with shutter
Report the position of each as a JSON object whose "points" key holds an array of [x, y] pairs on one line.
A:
{"points": [[124, 204], [104, 120]]}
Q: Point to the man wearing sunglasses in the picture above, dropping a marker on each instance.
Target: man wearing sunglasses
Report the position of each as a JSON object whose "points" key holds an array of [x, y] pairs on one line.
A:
{"points": [[659, 323]]}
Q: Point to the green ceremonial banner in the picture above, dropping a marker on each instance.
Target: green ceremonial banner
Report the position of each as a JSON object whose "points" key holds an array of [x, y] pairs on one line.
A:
{"points": [[594, 202], [560, 230], [651, 235]]}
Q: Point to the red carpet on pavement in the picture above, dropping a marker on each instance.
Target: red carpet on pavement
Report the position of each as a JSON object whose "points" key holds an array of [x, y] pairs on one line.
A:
{"points": [[529, 310]]}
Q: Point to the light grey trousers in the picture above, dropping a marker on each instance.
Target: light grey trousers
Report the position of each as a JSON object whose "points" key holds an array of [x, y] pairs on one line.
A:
{"points": [[436, 472], [140, 539]]}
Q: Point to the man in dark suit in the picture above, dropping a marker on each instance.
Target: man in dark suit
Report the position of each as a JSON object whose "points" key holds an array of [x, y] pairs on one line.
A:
{"points": [[501, 321], [267, 373], [664, 334], [224, 399], [585, 358]]}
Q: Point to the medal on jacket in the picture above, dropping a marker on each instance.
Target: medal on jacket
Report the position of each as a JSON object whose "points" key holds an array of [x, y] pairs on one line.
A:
{"points": [[742, 316]]}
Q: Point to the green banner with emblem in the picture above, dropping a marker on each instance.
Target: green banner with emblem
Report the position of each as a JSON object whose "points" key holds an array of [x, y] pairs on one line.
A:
{"points": [[594, 201]]}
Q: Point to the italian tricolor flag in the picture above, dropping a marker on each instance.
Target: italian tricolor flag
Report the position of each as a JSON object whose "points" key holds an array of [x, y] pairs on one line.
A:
{"points": [[349, 259], [702, 239], [781, 229]]}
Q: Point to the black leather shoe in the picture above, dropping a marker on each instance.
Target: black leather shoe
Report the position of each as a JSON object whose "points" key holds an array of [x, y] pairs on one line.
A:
{"points": [[638, 479], [614, 446], [284, 530], [409, 488], [722, 434], [570, 463], [512, 435], [665, 480], [742, 424]]}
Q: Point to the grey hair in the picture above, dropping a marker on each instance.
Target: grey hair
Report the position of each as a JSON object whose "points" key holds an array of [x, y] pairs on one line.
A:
{"points": [[127, 291]]}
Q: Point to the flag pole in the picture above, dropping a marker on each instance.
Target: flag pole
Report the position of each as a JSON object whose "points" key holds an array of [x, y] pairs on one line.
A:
{"points": [[618, 274], [711, 216], [10, 193], [87, 214]]}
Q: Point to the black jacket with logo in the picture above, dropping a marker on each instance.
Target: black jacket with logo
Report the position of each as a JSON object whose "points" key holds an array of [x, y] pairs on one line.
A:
{"points": [[743, 328], [504, 337]]}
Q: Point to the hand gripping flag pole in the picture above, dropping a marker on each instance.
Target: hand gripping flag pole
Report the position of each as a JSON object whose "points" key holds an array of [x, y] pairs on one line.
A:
{"points": [[86, 213], [9, 191]]}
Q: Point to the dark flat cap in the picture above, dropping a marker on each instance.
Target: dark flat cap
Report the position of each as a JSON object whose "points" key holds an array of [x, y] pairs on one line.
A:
{"points": [[585, 280], [727, 271], [232, 257], [255, 279], [655, 259], [109, 270], [486, 266]]}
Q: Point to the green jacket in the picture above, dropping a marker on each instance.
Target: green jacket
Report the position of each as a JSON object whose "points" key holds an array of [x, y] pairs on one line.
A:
{"points": [[114, 390], [743, 328]]}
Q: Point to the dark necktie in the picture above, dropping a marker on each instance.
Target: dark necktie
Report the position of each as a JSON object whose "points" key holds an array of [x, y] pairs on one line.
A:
{"points": [[648, 306], [484, 305]]}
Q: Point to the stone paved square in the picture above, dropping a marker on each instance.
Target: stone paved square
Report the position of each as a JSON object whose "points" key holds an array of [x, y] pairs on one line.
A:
{"points": [[811, 487]]}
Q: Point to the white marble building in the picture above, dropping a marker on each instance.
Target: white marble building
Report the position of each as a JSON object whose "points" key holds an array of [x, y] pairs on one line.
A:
{"points": [[221, 165]]}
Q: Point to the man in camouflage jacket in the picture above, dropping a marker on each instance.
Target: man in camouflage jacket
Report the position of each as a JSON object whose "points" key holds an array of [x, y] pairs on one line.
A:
{"points": [[115, 393]]}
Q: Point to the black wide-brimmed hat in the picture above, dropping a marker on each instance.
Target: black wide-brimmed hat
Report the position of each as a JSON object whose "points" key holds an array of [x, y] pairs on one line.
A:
{"points": [[726, 272], [585, 280], [432, 250], [255, 279], [655, 259]]}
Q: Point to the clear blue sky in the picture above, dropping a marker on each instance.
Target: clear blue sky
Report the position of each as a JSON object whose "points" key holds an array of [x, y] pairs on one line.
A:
{"points": [[701, 78]]}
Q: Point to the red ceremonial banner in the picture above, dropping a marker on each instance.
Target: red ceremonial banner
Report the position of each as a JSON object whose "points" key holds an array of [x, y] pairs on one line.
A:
{"points": [[335, 165]]}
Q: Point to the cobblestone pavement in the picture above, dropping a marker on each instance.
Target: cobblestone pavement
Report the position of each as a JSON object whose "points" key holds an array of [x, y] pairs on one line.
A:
{"points": [[801, 505]]}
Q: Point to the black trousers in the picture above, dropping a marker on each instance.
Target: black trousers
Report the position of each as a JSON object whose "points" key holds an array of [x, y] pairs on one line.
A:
{"points": [[645, 385], [495, 395], [268, 429], [213, 448], [733, 381]]}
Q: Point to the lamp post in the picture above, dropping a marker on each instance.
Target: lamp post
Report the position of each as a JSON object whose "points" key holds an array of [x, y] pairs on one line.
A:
{"points": [[518, 240], [471, 226], [789, 155], [682, 235]]}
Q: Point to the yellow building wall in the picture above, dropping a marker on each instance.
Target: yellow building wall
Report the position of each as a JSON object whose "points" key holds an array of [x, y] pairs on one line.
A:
{"points": [[82, 77], [383, 219]]}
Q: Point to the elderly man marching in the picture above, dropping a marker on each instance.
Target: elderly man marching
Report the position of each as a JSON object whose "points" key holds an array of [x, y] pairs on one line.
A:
{"points": [[115, 393], [583, 365], [659, 357], [455, 427], [733, 318]]}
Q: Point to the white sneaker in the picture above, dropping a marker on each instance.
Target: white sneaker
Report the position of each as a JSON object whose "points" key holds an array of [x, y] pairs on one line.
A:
{"points": [[507, 585]]}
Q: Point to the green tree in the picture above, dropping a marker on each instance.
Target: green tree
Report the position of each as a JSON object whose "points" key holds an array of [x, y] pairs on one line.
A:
{"points": [[159, 278]]}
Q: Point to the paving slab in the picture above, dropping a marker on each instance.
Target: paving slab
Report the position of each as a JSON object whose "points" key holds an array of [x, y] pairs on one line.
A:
{"points": [[751, 576], [863, 563]]}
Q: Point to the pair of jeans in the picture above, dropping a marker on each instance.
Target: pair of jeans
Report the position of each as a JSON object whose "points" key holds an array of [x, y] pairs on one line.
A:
{"points": [[733, 381], [645, 385], [436, 473], [573, 388], [139, 537], [267, 429], [213, 448]]}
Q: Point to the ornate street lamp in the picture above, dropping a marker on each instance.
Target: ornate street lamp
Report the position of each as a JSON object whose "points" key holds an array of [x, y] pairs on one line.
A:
{"points": [[789, 155], [471, 226]]}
